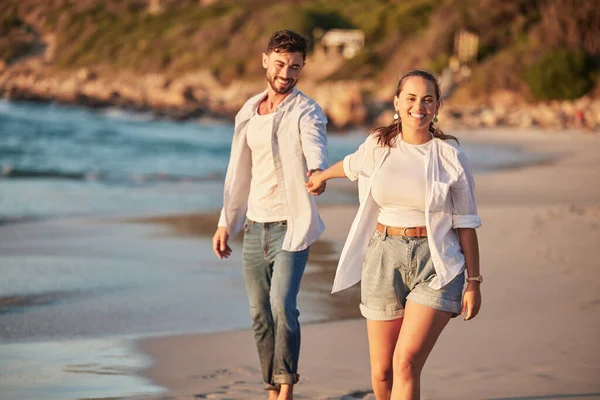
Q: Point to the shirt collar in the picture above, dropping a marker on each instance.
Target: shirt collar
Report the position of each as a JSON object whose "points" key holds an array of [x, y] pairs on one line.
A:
{"points": [[283, 106]]}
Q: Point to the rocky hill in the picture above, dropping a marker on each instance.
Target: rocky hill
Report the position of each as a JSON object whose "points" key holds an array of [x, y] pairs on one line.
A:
{"points": [[190, 58]]}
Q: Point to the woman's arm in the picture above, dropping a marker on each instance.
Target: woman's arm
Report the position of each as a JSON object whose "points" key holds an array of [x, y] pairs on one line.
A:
{"points": [[470, 249], [318, 178]]}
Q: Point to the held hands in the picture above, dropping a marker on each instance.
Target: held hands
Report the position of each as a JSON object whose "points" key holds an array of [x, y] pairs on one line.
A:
{"points": [[220, 247], [471, 300], [315, 185]]}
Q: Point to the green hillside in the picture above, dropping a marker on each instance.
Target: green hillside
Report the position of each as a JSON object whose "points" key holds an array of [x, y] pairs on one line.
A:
{"points": [[517, 38]]}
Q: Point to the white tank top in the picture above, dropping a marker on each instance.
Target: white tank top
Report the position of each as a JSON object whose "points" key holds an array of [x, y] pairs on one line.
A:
{"points": [[265, 201], [399, 186]]}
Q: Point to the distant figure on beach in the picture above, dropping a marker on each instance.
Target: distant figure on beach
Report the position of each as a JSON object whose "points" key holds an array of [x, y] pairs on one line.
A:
{"points": [[279, 140], [412, 237]]}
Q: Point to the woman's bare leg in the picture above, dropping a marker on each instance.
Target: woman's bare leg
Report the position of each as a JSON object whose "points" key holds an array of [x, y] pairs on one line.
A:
{"points": [[421, 328], [383, 336]]}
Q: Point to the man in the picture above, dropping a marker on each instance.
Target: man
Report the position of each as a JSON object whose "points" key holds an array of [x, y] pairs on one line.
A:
{"points": [[279, 139]]}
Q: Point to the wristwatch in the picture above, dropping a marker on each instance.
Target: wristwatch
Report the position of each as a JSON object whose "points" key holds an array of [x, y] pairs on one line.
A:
{"points": [[477, 278]]}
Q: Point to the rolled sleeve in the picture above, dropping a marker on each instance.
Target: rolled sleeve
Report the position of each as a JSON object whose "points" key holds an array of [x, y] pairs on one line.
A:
{"points": [[464, 205], [353, 163], [352, 175], [313, 138], [465, 221], [222, 219]]}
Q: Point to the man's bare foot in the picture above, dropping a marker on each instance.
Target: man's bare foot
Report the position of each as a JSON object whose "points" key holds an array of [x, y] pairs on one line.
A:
{"points": [[273, 394], [286, 392]]}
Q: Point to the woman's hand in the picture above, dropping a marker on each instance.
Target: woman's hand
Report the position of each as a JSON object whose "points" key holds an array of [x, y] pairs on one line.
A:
{"points": [[471, 300], [316, 184]]}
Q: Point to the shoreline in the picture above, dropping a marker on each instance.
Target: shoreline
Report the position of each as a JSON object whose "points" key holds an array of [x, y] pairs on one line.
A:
{"points": [[521, 345], [491, 154]]}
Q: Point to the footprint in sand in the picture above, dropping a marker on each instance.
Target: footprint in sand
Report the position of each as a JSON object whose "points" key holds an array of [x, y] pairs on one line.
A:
{"points": [[245, 383]]}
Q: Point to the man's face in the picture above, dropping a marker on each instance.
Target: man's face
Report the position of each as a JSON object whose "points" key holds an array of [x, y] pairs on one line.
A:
{"points": [[283, 70]]}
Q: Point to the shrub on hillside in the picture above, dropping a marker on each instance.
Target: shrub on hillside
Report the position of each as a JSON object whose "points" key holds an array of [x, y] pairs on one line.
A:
{"points": [[16, 38], [571, 24], [558, 75]]}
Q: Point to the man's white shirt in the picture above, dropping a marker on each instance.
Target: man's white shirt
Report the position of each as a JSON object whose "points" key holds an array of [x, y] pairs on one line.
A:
{"points": [[265, 201], [298, 143]]}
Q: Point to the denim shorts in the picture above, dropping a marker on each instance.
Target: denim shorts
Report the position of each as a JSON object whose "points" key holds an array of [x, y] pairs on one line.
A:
{"points": [[398, 268]]}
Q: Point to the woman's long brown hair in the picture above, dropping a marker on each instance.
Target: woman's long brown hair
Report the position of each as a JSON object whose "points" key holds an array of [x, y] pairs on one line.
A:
{"points": [[386, 135]]}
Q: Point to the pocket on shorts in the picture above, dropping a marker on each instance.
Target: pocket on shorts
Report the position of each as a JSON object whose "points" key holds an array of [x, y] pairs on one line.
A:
{"points": [[375, 238]]}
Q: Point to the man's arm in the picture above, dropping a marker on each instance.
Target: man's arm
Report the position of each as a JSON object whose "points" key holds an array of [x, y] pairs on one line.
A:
{"points": [[313, 138]]}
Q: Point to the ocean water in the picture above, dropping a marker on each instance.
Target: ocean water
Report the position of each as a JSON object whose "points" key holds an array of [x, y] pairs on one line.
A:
{"points": [[58, 161], [65, 161]]}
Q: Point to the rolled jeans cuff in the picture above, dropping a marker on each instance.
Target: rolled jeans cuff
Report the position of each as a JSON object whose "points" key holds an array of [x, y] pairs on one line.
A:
{"points": [[269, 386], [283, 379]]}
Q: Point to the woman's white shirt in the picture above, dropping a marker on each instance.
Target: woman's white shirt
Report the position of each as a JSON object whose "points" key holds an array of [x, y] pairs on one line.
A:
{"points": [[399, 186], [450, 204]]}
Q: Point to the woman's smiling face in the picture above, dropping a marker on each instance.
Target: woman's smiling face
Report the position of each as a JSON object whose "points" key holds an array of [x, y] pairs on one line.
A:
{"points": [[416, 103]]}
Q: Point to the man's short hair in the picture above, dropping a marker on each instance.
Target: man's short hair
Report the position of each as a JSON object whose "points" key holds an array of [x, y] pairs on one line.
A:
{"points": [[288, 42]]}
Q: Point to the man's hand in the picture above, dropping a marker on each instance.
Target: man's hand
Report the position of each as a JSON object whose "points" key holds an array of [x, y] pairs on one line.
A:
{"points": [[315, 184], [471, 300], [220, 247]]}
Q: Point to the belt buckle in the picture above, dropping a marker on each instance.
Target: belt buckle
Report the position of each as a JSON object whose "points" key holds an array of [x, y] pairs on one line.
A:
{"points": [[413, 236]]}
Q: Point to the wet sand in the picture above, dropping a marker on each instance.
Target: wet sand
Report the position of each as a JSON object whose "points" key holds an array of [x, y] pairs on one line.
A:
{"points": [[76, 293], [316, 283], [535, 338]]}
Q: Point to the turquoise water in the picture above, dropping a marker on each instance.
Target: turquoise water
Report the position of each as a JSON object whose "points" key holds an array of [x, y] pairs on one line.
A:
{"points": [[64, 161], [57, 161]]}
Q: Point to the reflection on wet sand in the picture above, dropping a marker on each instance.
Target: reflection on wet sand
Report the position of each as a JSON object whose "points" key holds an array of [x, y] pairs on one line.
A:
{"points": [[19, 302], [315, 292], [72, 369]]}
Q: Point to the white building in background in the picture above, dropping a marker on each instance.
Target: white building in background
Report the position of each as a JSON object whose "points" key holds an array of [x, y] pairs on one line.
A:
{"points": [[466, 45], [345, 42]]}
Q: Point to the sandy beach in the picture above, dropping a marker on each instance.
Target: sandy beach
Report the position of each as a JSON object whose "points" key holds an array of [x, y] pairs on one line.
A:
{"points": [[535, 338], [136, 304]]}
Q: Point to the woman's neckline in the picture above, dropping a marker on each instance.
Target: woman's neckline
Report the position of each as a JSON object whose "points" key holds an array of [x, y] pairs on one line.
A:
{"points": [[401, 139]]}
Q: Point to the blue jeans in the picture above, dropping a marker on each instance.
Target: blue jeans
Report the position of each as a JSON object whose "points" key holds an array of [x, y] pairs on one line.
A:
{"points": [[273, 278]]}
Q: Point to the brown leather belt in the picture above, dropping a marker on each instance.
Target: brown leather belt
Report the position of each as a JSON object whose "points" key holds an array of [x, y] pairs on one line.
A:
{"points": [[419, 231]]}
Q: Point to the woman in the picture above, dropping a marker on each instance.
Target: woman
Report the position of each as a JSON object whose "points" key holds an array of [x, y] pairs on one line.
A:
{"points": [[412, 238]]}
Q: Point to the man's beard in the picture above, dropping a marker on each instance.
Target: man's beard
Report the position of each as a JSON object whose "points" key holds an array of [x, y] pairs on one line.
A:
{"points": [[281, 90]]}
